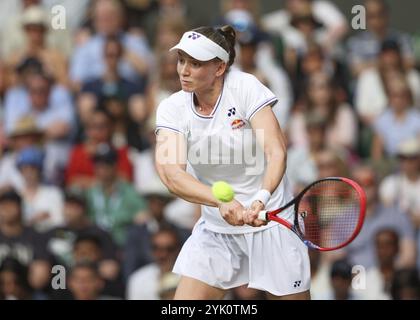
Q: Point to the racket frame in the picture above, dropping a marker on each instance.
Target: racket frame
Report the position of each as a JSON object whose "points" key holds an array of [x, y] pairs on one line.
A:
{"points": [[272, 215]]}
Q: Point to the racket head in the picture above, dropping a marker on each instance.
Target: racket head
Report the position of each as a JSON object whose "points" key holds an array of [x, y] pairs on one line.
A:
{"points": [[329, 213]]}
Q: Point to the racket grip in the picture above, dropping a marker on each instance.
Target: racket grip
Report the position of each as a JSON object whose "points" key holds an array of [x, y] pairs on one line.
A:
{"points": [[262, 215]]}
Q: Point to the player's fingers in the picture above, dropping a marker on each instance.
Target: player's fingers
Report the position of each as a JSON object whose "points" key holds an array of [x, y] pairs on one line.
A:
{"points": [[247, 219], [240, 219]]}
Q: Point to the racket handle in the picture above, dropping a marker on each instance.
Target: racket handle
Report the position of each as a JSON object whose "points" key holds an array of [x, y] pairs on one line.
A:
{"points": [[262, 215]]}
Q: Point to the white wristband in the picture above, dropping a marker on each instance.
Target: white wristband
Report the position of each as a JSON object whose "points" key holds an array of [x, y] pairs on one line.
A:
{"points": [[263, 196]]}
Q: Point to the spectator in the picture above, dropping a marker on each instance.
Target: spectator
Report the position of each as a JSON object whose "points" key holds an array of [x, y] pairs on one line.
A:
{"points": [[165, 83], [14, 280], [144, 283], [362, 250], [371, 93], [52, 108], [341, 279], [156, 14], [331, 163], [43, 205], [167, 286], [252, 60], [89, 248], [314, 61], [403, 188], [112, 87], [76, 224], [23, 243], [12, 35], [406, 285], [85, 282], [138, 249], [113, 203], [332, 23], [80, 170], [398, 123], [365, 46], [341, 128], [169, 30], [88, 59], [25, 134], [320, 275], [379, 278], [35, 24], [301, 163]]}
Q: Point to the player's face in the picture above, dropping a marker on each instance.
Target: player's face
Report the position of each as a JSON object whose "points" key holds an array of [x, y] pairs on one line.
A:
{"points": [[197, 76]]}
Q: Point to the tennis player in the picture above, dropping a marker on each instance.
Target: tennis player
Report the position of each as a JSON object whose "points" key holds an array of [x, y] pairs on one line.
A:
{"points": [[229, 246]]}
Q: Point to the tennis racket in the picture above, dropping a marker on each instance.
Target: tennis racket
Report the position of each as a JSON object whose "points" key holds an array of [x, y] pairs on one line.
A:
{"points": [[328, 214]]}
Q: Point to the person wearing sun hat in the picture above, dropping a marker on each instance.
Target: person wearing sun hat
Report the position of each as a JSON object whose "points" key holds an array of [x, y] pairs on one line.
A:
{"points": [[25, 133], [403, 187]]}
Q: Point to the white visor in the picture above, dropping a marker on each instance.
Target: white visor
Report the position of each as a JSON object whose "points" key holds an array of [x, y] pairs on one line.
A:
{"points": [[200, 47]]}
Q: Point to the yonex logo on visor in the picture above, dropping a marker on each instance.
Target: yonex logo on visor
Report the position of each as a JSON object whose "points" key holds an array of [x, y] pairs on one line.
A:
{"points": [[194, 36], [202, 48]]}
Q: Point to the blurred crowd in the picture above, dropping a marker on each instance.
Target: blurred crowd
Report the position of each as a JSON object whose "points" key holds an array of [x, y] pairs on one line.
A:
{"points": [[78, 186]]}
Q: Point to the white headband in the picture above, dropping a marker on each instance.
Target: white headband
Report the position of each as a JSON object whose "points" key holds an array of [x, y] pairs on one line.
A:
{"points": [[200, 47]]}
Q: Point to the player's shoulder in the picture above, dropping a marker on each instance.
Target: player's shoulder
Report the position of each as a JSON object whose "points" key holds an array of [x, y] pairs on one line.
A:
{"points": [[176, 101], [239, 79]]}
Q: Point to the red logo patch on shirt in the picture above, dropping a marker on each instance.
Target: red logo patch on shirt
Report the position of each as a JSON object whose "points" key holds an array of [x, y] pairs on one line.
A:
{"points": [[237, 124]]}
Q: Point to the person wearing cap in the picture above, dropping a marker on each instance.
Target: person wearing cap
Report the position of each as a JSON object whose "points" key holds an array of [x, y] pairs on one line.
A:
{"points": [[217, 105], [43, 204], [24, 134], [371, 96], [113, 203], [403, 188]]}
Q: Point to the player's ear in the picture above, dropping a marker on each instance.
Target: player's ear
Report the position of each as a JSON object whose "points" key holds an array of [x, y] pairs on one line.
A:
{"points": [[221, 69]]}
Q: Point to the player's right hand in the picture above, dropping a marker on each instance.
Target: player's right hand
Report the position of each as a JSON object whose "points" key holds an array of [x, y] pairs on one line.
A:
{"points": [[232, 212]]}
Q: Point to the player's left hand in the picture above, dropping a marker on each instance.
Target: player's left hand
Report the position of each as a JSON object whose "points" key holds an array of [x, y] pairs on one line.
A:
{"points": [[251, 214]]}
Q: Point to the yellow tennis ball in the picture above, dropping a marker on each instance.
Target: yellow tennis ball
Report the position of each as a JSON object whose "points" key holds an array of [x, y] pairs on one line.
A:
{"points": [[223, 191]]}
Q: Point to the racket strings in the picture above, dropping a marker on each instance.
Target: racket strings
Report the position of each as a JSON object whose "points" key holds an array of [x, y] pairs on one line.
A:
{"points": [[329, 213]]}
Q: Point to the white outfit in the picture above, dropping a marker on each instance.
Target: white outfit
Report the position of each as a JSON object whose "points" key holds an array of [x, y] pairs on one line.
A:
{"points": [[9, 173], [144, 283], [274, 260], [242, 96], [397, 189], [340, 134], [47, 199], [371, 98], [374, 286]]}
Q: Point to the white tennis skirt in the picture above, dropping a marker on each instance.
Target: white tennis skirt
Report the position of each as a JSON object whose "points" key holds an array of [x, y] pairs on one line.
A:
{"points": [[273, 260]]}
